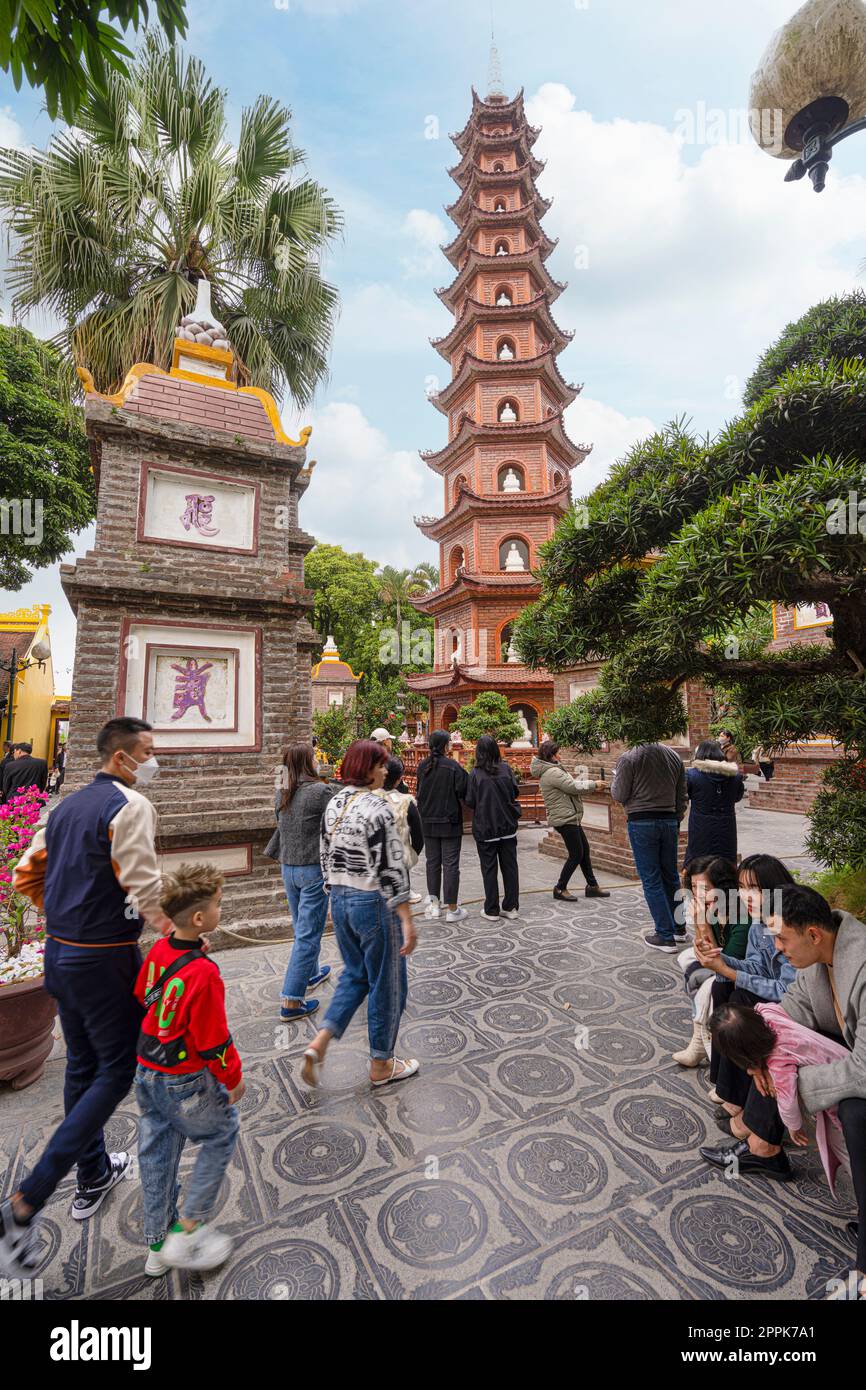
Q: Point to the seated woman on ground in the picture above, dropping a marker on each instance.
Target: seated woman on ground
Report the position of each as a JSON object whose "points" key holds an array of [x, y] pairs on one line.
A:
{"points": [[771, 1047], [721, 923]]}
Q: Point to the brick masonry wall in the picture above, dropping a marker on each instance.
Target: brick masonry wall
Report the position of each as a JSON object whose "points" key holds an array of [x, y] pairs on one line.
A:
{"points": [[204, 799]]}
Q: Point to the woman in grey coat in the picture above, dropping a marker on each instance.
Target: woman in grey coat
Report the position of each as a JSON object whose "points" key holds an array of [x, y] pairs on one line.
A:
{"points": [[300, 802]]}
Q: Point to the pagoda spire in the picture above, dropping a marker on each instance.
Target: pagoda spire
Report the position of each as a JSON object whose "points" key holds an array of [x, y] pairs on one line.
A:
{"points": [[495, 87]]}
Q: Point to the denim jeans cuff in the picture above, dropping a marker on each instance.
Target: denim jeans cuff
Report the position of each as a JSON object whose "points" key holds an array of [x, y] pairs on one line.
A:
{"points": [[381, 1056], [332, 1026]]}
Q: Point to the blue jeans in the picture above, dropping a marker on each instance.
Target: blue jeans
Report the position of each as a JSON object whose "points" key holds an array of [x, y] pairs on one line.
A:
{"points": [[369, 937], [100, 1018], [175, 1108], [308, 903], [654, 846]]}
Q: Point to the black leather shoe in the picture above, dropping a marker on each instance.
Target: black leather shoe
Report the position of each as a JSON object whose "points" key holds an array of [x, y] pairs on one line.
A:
{"points": [[778, 1167], [592, 890]]}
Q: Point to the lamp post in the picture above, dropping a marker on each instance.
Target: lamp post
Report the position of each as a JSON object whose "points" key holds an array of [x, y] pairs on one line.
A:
{"points": [[15, 668], [809, 90]]}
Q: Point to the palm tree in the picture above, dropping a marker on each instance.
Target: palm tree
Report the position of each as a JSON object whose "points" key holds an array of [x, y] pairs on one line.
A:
{"points": [[113, 226], [398, 587]]}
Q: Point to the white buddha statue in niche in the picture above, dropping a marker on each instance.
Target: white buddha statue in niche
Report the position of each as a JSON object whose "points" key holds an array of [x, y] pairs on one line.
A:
{"points": [[514, 560], [511, 482], [507, 414]]}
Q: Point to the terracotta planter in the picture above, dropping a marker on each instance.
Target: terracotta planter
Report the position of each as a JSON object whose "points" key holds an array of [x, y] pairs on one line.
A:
{"points": [[26, 1031]]}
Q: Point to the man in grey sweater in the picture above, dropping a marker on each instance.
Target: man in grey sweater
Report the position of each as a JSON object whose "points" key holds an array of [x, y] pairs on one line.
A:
{"points": [[828, 951], [650, 784]]}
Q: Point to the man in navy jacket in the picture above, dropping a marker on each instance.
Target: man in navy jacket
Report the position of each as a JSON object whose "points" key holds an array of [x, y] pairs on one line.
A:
{"points": [[93, 869]]}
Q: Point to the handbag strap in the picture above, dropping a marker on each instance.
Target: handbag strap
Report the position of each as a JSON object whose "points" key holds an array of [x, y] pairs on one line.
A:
{"points": [[154, 994]]}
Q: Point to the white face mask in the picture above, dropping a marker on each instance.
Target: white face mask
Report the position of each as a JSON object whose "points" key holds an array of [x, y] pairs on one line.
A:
{"points": [[146, 771], [142, 772]]}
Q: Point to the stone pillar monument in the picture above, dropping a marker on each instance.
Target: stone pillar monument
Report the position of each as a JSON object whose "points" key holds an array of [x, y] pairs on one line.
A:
{"points": [[192, 611]]}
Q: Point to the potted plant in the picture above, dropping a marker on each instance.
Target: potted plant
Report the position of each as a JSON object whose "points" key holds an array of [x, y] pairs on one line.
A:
{"points": [[26, 1008]]}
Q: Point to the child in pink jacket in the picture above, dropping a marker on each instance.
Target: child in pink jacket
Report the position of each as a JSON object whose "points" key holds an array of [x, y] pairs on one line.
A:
{"points": [[768, 1044]]}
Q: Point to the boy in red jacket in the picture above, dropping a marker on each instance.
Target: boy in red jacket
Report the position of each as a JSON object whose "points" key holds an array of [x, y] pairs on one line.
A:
{"points": [[188, 1078]]}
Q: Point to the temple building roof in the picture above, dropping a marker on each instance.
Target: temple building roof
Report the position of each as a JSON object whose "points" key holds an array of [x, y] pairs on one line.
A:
{"points": [[332, 668], [508, 178], [526, 217], [201, 386]]}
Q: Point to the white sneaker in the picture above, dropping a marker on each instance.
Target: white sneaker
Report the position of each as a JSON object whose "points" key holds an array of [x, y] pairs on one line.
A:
{"points": [[17, 1245], [432, 908], [155, 1266], [456, 914], [414, 897], [203, 1248], [491, 916], [510, 913]]}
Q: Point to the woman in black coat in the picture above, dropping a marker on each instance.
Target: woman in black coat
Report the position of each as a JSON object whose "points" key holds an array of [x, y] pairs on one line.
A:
{"points": [[440, 788], [494, 797], [714, 787]]}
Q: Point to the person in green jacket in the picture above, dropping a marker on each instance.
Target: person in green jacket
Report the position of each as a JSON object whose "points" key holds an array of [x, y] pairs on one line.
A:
{"points": [[563, 802], [721, 920]]}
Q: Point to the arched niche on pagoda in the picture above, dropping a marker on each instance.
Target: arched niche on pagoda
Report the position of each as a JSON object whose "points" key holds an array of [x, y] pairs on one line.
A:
{"points": [[502, 247], [504, 296], [558, 478], [508, 411], [510, 545], [460, 482], [451, 644], [504, 634], [498, 167], [500, 205], [506, 349], [504, 483], [532, 715], [449, 714], [456, 561]]}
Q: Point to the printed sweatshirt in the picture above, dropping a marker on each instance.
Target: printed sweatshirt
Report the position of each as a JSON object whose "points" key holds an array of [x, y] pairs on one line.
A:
{"points": [[192, 1010]]}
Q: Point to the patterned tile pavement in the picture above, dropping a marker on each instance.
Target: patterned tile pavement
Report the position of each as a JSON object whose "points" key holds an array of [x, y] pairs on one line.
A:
{"points": [[547, 1151]]}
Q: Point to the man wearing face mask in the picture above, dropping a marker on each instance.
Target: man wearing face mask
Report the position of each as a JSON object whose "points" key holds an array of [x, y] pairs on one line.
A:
{"points": [[92, 868]]}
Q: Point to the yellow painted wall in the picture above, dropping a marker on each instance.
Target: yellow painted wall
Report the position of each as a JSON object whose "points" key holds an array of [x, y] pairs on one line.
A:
{"points": [[34, 689]]}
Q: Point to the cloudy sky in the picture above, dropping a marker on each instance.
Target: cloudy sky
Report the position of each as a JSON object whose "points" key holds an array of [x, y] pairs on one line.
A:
{"points": [[684, 250]]}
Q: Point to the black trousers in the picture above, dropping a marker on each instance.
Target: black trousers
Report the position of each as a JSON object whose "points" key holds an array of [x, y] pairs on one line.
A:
{"points": [[578, 855], [852, 1117], [442, 858], [493, 855]]}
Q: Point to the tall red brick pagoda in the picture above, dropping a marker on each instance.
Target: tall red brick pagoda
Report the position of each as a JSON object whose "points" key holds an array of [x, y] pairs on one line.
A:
{"points": [[505, 469]]}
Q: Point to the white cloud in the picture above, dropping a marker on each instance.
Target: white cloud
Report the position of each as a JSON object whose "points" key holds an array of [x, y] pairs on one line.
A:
{"points": [[609, 432], [428, 233], [11, 134], [695, 258], [364, 493], [378, 318]]}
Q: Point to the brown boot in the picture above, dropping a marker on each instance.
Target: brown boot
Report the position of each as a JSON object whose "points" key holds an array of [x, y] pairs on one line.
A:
{"points": [[594, 890], [562, 895]]}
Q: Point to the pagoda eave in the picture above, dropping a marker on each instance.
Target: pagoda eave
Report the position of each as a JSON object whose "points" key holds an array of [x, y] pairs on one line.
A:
{"points": [[478, 586], [471, 678], [473, 366], [476, 504], [530, 260], [508, 178], [537, 308], [551, 430]]}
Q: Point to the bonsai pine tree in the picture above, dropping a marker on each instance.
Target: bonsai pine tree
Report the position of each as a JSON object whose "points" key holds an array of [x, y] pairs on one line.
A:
{"points": [[488, 714], [660, 573]]}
